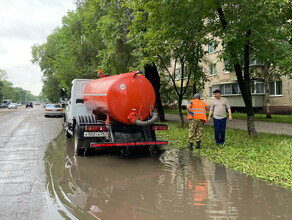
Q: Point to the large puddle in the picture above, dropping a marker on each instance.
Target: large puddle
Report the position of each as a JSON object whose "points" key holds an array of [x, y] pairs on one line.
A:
{"points": [[173, 185]]}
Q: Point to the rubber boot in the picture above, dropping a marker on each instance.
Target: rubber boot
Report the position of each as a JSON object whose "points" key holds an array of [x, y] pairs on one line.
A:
{"points": [[198, 145], [190, 146]]}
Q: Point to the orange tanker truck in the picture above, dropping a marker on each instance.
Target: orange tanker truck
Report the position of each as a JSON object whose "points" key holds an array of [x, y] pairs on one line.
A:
{"points": [[112, 111]]}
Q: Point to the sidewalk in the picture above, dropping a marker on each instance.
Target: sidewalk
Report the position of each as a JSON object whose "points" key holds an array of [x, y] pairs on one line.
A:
{"points": [[261, 126]]}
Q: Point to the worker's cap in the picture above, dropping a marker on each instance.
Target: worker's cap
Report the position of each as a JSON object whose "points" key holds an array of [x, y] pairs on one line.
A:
{"points": [[216, 91], [197, 96]]}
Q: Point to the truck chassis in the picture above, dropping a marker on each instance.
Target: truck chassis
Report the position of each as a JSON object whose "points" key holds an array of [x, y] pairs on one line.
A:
{"points": [[90, 133]]}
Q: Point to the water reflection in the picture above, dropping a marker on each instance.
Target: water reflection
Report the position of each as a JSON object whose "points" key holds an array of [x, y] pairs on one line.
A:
{"points": [[197, 187], [174, 185]]}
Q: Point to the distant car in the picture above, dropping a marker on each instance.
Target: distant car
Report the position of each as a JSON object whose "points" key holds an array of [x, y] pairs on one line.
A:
{"points": [[3, 105], [12, 106], [53, 110], [29, 104]]}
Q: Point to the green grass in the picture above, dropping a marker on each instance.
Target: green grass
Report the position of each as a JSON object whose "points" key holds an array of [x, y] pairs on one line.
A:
{"points": [[242, 116], [269, 157], [262, 117]]}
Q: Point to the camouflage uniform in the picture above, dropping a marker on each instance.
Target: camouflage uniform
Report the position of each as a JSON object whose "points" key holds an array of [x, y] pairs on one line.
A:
{"points": [[195, 130]]}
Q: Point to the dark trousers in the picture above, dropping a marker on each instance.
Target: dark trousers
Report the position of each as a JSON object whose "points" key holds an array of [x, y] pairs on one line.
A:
{"points": [[220, 126]]}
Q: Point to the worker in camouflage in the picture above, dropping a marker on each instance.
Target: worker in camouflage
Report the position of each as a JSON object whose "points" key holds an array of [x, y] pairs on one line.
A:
{"points": [[195, 130], [197, 117]]}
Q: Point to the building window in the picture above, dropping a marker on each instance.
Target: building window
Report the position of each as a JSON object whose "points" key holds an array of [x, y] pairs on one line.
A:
{"points": [[276, 88], [211, 47], [254, 62], [227, 89], [178, 72], [212, 69], [257, 87], [230, 89], [235, 88], [260, 88]]}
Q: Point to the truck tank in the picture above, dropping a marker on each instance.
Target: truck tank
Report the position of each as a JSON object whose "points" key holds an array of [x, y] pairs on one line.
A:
{"points": [[125, 97]]}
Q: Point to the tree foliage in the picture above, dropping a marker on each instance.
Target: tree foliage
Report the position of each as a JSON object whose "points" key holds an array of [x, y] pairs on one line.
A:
{"points": [[250, 29], [92, 37], [168, 32], [16, 94]]}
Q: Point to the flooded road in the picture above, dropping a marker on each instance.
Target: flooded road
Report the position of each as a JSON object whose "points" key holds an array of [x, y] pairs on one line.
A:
{"points": [[173, 185], [25, 134]]}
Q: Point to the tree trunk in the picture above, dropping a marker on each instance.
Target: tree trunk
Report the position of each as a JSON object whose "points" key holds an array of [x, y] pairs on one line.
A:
{"points": [[181, 117], [265, 70], [194, 88], [244, 82], [246, 95], [244, 85], [152, 75], [248, 99], [250, 126]]}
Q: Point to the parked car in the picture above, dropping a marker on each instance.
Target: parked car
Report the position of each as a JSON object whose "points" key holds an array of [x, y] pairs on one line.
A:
{"points": [[3, 105], [53, 110], [29, 104], [12, 106]]}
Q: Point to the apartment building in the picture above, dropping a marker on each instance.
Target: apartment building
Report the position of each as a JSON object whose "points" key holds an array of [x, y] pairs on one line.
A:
{"points": [[220, 78]]}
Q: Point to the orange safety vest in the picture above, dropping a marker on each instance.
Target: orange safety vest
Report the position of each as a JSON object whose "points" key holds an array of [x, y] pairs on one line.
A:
{"points": [[198, 110]]}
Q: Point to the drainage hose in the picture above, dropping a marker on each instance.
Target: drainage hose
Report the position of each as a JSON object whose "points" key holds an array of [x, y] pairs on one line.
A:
{"points": [[148, 122]]}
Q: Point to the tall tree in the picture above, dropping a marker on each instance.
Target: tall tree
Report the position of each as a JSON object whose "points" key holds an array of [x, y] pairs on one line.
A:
{"points": [[117, 56], [3, 76], [16, 94], [113, 20], [242, 25], [92, 37], [45, 56], [170, 32]]}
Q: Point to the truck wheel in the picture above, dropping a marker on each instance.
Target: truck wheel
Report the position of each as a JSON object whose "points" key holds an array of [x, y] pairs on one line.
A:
{"points": [[78, 144], [67, 134]]}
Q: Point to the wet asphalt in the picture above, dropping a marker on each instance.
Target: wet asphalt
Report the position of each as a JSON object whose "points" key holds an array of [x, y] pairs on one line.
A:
{"points": [[24, 136]]}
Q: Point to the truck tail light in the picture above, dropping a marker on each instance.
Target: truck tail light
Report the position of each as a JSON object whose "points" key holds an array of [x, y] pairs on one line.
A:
{"points": [[159, 127], [95, 128]]}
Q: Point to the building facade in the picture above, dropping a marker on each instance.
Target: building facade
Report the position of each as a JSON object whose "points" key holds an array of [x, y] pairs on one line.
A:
{"points": [[225, 80]]}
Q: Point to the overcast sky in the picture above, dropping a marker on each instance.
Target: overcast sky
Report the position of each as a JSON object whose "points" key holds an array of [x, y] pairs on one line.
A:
{"points": [[24, 23]]}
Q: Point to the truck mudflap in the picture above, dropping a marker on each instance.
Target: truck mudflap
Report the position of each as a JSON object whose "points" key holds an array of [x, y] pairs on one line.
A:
{"points": [[111, 144]]}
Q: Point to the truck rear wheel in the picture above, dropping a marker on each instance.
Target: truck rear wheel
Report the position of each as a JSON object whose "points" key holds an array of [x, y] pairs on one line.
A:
{"points": [[78, 144], [66, 126], [67, 134]]}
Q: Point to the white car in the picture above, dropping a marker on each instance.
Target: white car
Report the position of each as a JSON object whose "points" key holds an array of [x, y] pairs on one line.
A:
{"points": [[12, 106], [53, 110]]}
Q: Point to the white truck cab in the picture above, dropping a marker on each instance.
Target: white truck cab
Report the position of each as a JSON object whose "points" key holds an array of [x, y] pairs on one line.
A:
{"points": [[76, 103]]}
